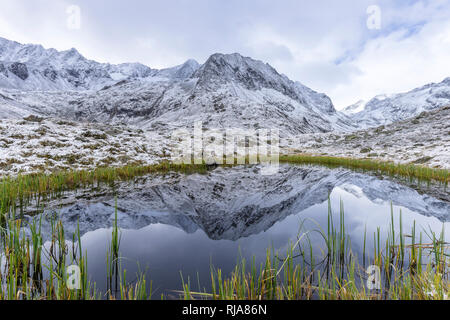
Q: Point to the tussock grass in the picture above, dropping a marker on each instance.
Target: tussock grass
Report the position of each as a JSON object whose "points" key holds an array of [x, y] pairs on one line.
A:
{"points": [[24, 189], [386, 167]]}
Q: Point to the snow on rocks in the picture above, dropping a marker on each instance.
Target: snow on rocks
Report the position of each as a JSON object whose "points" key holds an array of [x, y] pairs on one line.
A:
{"points": [[386, 109], [424, 139], [35, 144]]}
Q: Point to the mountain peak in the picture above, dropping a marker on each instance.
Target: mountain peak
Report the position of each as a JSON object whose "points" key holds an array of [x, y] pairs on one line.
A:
{"points": [[446, 80], [230, 57], [72, 56], [192, 62], [72, 51], [253, 74], [180, 72], [256, 75], [236, 61], [355, 108]]}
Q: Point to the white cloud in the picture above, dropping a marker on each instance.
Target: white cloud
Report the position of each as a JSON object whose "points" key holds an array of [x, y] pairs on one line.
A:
{"points": [[323, 44], [398, 62]]}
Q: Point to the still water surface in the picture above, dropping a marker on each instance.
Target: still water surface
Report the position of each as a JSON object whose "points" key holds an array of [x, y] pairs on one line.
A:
{"points": [[185, 224]]}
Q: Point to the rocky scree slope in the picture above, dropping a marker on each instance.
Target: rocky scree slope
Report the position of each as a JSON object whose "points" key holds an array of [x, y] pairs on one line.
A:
{"points": [[424, 139]]}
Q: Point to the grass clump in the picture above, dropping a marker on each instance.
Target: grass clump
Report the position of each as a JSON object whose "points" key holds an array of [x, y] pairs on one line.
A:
{"points": [[22, 190], [32, 271], [385, 167]]}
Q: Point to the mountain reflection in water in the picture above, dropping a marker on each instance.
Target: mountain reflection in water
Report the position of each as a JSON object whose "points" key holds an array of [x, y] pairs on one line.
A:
{"points": [[177, 223]]}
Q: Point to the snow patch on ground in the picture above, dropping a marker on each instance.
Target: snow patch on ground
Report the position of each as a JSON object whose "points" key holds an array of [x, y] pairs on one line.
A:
{"points": [[38, 144]]}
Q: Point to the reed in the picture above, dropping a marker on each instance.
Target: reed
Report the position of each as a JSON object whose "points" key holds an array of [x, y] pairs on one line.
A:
{"points": [[409, 267], [30, 270], [408, 271], [18, 192]]}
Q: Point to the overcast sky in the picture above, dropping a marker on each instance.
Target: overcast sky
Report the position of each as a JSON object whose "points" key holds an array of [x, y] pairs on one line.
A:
{"points": [[340, 47]]}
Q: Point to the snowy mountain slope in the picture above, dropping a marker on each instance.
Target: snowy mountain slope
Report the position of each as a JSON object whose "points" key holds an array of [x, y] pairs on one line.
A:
{"points": [[424, 140], [386, 109], [32, 145], [227, 91], [354, 108], [183, 71], [162, 104], [32, 67], [9, 108]]}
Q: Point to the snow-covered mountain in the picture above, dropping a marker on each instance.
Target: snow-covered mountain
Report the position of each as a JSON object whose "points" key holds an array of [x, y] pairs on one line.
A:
{"points": [[385, 109], [355, 108], [423, 140], [31, 67], [228, 90]]}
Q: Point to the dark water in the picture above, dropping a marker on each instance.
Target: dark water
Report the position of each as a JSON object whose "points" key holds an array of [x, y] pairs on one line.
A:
{"points": [[186, 224]]}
